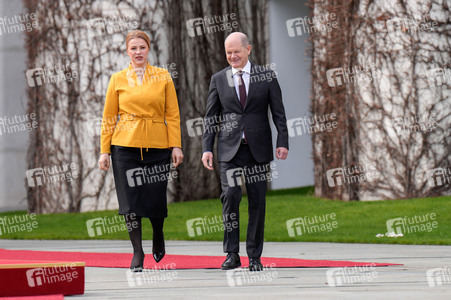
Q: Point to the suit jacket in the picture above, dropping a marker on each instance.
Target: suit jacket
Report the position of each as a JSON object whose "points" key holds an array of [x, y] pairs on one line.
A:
{"points": [[149, 111], [226, 118]]}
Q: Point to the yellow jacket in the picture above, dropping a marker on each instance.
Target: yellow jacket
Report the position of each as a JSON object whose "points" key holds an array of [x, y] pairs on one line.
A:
{"points": [[148, 111]]}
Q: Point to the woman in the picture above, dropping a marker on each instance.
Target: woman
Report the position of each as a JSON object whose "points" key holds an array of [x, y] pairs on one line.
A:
{"points": [[140, 143]]}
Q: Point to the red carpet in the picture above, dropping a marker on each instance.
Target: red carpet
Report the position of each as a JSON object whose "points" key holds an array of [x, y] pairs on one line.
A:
{"points": [[122, 260]]}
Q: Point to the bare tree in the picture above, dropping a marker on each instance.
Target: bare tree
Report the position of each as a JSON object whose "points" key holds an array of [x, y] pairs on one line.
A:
{"points": [[393, 98], [82, 44], [86, 40], [198, 55]]}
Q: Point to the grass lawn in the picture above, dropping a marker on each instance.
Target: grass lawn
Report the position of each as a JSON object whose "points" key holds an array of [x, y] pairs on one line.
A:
{"points": [[349, 222]]}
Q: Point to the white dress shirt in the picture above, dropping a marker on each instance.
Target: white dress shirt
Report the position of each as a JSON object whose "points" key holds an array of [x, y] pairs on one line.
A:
{"points": [[246, 77]]}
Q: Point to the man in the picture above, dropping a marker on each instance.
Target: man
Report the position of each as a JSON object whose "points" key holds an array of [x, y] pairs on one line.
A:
{"points": [[237, 108]]}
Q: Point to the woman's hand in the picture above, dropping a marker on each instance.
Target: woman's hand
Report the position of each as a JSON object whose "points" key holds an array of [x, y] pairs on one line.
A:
{"points": [[177, 156], [104, 161]]}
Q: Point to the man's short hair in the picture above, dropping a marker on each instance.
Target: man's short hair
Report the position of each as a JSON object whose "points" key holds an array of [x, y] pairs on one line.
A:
{"points": [[244, 39]]}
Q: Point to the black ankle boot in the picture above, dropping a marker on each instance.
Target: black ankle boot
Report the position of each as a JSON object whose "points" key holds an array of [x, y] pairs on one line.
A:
{"points": [[158, 245]]}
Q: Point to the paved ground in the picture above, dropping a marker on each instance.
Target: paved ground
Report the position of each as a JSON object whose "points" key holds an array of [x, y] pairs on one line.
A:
{"points": [[410, 281]]}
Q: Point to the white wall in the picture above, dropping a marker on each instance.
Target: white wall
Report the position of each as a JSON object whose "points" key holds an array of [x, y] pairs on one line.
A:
{"points": [[288, 53], [13, 147], [293, 67]]}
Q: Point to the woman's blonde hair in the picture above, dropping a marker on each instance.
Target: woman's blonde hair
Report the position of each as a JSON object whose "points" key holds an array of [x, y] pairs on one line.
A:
{"points": [[137, 34]]}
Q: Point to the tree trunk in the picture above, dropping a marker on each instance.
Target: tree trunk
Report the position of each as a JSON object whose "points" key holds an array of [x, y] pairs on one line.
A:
{"points": [[198, 55], [384, 72]]}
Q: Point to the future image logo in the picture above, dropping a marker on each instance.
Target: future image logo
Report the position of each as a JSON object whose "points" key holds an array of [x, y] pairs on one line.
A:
{"points": [[351, 174], [439, 176], [17, 124], [195, 127], [39, 176], [207, 225], [306, 25], [439, 76], [353, 75], [51, 74], [312, 124], [18, 223], [311, 225], [18, 23], [407, 24], [438, 276], [149, 175], [240, 277], [350, 275], [153, 275], [98, 27], [410, 225], [250, 175], [52, 275], [206, 25], [108, 225], [234, 177], [415, 123]]}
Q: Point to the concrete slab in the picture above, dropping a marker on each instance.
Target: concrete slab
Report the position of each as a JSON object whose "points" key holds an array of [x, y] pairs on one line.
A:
{"points": [[410, 281]]}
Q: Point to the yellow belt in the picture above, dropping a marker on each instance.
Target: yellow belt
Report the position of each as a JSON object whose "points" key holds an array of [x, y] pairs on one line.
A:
{"points": [[131, 117]]}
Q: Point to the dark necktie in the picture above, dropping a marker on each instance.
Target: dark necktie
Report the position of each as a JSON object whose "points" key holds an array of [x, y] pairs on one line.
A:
{"points": [[243, 96], [242, 89]]}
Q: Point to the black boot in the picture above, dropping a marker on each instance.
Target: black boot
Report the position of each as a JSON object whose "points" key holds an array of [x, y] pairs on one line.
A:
{"points": [[134, 231], [158, 247]]}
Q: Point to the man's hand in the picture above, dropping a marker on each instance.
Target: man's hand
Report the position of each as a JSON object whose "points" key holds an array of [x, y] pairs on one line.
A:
{"points": [[177, 156], [207, 159], [281, 153]]}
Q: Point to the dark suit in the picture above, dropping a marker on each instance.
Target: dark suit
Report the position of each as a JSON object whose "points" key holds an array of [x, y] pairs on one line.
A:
{"points": [[226, 117]]}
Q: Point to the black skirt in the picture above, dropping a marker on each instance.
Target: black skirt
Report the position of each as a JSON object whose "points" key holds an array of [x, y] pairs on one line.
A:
{"points": [[141, 185]]}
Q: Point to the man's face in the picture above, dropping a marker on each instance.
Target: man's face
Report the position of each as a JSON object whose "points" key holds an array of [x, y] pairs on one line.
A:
{"points": [[237, 54]]}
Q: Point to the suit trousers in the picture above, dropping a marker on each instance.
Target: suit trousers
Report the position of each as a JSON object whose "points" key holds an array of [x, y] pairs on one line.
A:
{"points": [[243, 164]]}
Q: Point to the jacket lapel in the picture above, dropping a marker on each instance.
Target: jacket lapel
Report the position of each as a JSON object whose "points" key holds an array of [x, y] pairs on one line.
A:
{"points": [[252, 85]]}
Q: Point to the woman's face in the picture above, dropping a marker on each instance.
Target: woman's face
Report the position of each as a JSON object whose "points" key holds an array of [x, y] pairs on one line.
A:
{"points": [[138, 50]]}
